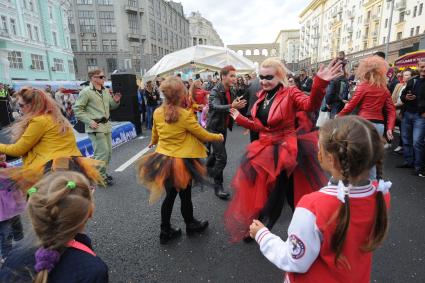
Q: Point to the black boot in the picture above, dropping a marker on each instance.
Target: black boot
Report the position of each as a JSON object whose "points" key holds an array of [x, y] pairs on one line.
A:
{"points": [[196, 226], [169, 233], [219, 192]]}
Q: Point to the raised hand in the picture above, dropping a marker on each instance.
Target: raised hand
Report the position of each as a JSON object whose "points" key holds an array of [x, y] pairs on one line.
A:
{"points": [[332, 71]]}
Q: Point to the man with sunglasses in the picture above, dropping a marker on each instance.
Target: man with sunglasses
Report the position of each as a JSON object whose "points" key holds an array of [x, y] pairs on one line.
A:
{"points": [[93, 109], [222, 98]]}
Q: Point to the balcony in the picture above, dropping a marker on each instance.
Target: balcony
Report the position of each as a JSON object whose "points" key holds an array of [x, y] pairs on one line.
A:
{"points": [[401, 5], [135, 36]]}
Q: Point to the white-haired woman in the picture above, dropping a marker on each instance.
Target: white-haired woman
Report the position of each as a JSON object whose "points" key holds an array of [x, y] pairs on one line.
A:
{"points": [[270, 169]]}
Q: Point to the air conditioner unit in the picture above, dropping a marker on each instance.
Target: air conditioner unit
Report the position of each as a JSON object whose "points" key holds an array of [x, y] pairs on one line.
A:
{"points": [[53, 69], [94, 34]]}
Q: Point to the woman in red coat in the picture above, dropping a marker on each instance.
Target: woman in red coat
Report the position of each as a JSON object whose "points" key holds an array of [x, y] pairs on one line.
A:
{"points": [[270, 170]]}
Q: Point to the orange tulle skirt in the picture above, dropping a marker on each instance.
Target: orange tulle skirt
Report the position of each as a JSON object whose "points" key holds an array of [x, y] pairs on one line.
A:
{"points": [[154, 169], [24, 178]]}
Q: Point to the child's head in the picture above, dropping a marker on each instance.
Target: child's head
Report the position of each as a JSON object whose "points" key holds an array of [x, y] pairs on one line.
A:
{"points": [[349, 147], [59, 206]]}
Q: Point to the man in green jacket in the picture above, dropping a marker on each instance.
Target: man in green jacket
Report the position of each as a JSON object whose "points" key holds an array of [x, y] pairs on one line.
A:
{"points": [[93, 109]]}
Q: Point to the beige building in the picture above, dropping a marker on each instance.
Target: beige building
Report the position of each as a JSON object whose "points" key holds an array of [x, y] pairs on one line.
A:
{"points": [[358, 28], [202, 31], [256, 52], [289, 47]]}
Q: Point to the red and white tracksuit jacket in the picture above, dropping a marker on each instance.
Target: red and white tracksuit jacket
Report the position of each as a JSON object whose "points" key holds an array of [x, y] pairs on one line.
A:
{"points": [[306, 255]]}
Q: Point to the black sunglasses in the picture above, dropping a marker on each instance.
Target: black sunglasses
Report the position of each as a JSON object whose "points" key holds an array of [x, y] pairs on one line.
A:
{"points": [[267, 78], [99, 77]]}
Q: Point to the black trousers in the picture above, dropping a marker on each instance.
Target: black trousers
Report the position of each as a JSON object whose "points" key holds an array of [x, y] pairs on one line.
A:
{"points": [[168, 203], [217, 160], [284, 189]]}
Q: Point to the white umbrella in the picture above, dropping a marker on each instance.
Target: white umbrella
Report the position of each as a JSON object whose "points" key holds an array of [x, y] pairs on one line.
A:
{"points": [[201, 56]]}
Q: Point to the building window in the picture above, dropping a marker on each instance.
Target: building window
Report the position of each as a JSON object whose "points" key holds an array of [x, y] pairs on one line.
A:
{"points": [[159, 32], [105, 2], [105, 45], [50, 12], [25, 3], [113, 45], [132, 23], [412, 31], [4, 25], [384, 39], [111, 64], [36, 37], [93, 45], [13, 26], [91, 64], [29, 31], [386, 23], [415, 10], [107, 22], [86, 21], [74, 45], [15, 60], [421, 6], [417, 30], [58, 65], [85, 45], [71, 25], [152, 28], [37, 62], [71, 67], [55, 38], [84, 2], [401, 17], [399, 35], [31, 4], [132, 3]]}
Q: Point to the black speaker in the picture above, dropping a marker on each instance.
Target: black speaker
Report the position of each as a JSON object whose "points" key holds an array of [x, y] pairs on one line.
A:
{"points": [[128, 110], [5, 114], [80, 127]]}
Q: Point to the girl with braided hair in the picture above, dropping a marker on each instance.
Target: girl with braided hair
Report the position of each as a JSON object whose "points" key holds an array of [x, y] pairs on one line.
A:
{"points": [[334, 231], [59, 208]]}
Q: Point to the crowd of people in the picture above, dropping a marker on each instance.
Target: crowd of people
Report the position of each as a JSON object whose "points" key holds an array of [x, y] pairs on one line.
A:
{"points": [[332, 178]]}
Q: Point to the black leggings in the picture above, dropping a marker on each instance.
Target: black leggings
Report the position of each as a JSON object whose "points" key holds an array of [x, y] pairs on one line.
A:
{"points": [[284, 188], [168, 203]]}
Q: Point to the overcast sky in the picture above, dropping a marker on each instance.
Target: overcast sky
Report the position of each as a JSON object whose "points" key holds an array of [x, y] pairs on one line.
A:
{"points": [[248, 21]]}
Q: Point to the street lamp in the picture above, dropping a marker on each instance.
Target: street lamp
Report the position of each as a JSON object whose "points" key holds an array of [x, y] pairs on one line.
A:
{"points": [[387, 43]]}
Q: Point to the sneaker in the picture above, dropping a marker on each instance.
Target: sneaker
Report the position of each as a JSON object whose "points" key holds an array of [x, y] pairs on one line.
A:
{"points": [[419, 173], [398, 149], [405, 166]]}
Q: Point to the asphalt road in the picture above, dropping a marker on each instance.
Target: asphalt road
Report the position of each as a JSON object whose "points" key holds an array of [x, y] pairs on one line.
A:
{"points": [[125, 231]]}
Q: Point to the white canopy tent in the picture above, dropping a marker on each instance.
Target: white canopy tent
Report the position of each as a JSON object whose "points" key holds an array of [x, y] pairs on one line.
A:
{"points": [[207, 58]]}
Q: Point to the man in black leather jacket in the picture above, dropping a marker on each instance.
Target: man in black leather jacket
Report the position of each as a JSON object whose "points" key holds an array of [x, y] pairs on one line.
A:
{"points": [[222, 98]]}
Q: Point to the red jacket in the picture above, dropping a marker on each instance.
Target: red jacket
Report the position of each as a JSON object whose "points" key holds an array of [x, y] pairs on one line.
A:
{"points": [[372, 103], [282, 116], [200, 96]]}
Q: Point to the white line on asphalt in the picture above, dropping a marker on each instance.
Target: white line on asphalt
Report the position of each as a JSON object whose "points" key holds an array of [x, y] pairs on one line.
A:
{"points": [[132, 160]]}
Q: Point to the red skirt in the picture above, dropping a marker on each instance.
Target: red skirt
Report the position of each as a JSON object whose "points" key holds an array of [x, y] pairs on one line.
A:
{"points": [[256, 177]]}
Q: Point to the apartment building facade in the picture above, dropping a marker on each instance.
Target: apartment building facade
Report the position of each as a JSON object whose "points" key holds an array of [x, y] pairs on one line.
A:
{"points": [[130, 35], [202, 31], [358, 27], [34, 41], [289, 47]]}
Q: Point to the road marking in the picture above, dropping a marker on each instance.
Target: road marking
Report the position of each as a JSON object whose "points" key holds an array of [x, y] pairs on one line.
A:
{"points": [[132, 160]]}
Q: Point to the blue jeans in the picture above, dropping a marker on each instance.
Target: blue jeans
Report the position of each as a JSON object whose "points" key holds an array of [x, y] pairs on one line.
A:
{"points": [[149, 116], [380, 128], [413, 134]]}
